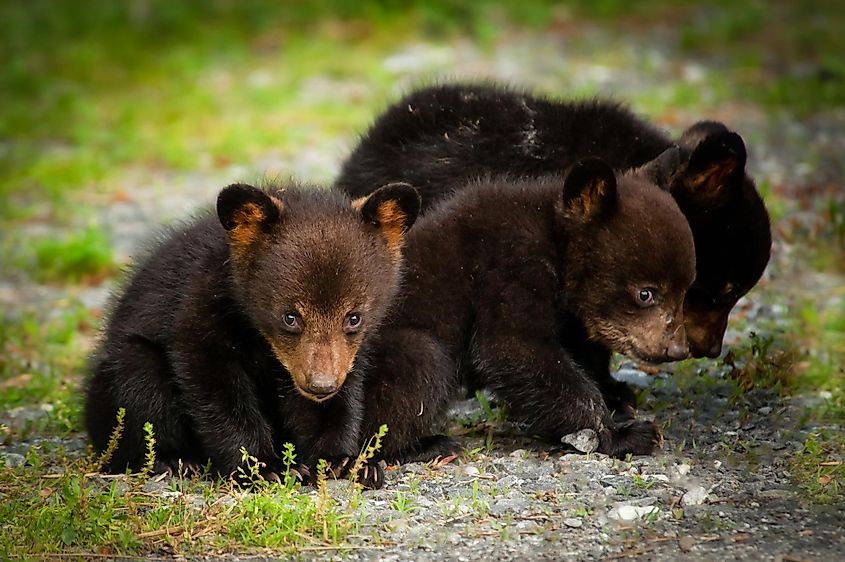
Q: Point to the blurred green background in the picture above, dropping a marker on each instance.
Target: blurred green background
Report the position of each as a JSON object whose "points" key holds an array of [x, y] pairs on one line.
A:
{"points": [[116, 116]]}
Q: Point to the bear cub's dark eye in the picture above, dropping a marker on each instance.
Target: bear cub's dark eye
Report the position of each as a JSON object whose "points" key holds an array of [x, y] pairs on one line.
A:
{"points": [[645, 297], [292, 322], [352, 323]]}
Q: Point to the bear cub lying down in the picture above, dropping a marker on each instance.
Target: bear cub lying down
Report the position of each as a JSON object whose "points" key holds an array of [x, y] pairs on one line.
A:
{"points": [[440, 138], [251, 329], [498, 272]]}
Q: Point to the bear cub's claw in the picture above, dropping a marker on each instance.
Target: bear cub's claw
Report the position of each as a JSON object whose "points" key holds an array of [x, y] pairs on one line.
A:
{"points": [[370, 474]]}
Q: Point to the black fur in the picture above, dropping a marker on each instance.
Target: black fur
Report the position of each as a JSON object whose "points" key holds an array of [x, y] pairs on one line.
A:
{"points": [[195, 344], [439, 138], [496, 277]]}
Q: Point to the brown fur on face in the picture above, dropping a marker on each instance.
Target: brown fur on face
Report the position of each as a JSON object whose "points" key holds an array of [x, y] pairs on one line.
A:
{"points": [[645, 243], [707, 321], [318, 260], [320, 358], [733, 236]]}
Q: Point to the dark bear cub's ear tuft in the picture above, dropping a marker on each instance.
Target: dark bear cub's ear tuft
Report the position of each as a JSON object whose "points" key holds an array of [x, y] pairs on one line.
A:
{"points": [[244, 210], [660, 170], [693, 136], [589, 190], [716, 166], [392, 208]]}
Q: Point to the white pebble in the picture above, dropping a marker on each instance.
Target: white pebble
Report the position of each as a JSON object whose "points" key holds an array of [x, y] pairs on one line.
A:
{"points": [[631, 512], [695, 496]]}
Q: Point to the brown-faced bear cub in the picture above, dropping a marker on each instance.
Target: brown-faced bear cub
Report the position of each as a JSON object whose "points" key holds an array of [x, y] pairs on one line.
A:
{"points": [[438, 138], [496, 272], [250, 329]]}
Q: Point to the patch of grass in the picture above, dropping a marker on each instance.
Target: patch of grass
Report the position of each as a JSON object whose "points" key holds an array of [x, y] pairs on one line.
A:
{"points": [[83, 255], [764, 361], [42, 361], [823, 330], [74, 511], [819, 468], [828, 243], [403, 504], [77, 514], [492, 415]]}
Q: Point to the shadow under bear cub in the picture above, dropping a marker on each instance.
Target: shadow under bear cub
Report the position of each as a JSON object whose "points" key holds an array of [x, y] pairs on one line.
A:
{"points": [[496, 274], [250, 329], [439, 138]]}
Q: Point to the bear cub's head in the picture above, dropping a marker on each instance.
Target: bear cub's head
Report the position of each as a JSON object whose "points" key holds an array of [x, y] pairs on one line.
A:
{"points": [[315, 272], [733, 236], [630, 257]]}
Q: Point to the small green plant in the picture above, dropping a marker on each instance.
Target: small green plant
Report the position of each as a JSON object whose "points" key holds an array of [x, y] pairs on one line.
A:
{"points": [[150, 454], [764, 361], [403, 504], [250, 468], [114, 440], [492, 415], [643, 483], [819, 467], [370, 449]]}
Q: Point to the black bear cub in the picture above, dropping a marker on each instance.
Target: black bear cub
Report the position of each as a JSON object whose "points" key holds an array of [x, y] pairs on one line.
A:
{"points": [[497, 273], [438, 138], [250, 329]]}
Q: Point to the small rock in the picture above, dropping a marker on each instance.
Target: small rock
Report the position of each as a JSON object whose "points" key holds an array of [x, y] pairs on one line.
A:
{"points": [[633, 377], [585, 440], [658, 477], [683, 469], [414, 468], [170, 494], [518, 454], [631, 512], [505, 505], [156, 486], [775, 494], [571, 457], [509, 481], [13, 460], [468, 470], [397, 525], [695, 496], [526, 527], [686, 543], [765, 410], [423, 502], [573, 522]]}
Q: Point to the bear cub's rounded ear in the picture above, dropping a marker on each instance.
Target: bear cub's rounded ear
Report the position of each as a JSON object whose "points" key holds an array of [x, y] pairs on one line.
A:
{"points": [[392, 208], [717, 161], [242, 206], [589, 190], [661, 170]]}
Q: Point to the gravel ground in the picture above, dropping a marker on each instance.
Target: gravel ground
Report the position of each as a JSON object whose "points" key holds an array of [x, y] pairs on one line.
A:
{"points": [[719, 489]]}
